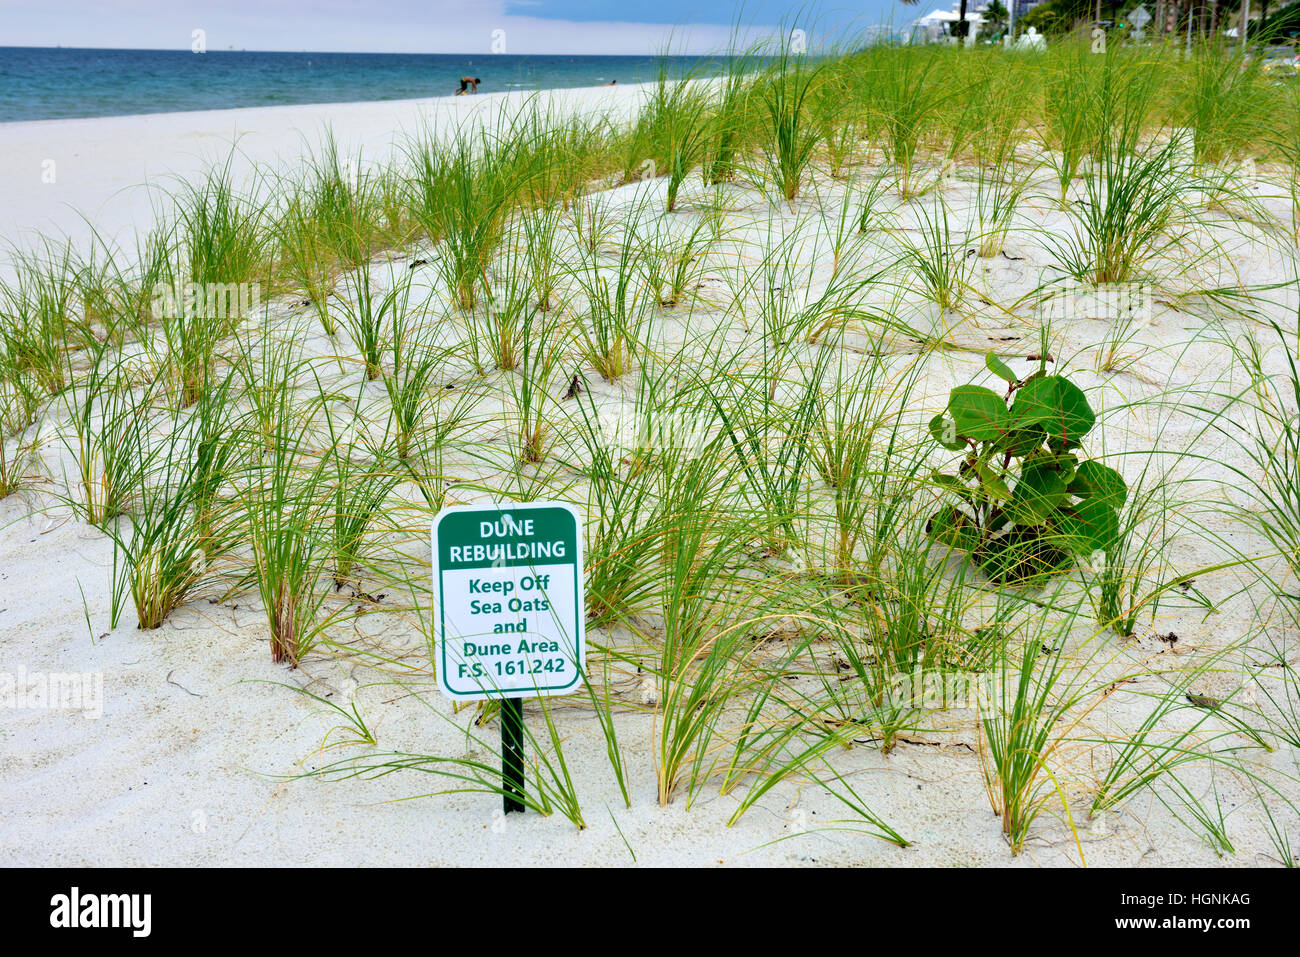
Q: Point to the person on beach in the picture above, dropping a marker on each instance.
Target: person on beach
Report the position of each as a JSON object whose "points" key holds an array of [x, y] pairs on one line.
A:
{"points": [[468, 84]]}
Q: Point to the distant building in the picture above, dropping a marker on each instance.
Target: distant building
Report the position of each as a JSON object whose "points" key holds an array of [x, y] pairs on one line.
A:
{"points": [[1021, 7]]}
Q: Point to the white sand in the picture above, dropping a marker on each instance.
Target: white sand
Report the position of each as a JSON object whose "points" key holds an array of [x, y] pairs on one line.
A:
{"points": [[184, 765], [107, 171]]}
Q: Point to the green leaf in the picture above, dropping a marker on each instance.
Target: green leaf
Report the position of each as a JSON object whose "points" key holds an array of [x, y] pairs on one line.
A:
{"points": [[954, 485], [980, 413], [1020, 557], [1088, 526], [1058, 405], [1038, 494], [993, 483], [1099, 483], [944, 431], [1000, 369], [1020, 442], [951, 527]]}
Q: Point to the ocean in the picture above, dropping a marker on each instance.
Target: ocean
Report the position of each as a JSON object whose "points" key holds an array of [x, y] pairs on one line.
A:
{"points": [[38, 83]]}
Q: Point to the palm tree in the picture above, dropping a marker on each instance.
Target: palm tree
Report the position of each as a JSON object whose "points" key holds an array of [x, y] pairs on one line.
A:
{"points": [[995, 15]]}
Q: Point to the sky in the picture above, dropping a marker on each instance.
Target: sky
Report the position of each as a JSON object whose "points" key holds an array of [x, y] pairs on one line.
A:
{"points": [[433, 26]]}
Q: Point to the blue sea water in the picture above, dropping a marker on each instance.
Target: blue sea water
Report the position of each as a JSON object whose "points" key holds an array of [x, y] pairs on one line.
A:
{"points": [[38, 83]]}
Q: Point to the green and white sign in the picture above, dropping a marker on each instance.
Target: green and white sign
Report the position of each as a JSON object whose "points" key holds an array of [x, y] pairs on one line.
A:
{"points": [[509, 611]]}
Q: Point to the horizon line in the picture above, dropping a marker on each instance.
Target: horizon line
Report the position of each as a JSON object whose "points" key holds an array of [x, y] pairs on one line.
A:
{"points": [[33, 46]]}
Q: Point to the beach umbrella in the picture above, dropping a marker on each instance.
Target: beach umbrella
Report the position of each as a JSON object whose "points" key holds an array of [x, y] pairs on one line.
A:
{"points": [[961, 17]]}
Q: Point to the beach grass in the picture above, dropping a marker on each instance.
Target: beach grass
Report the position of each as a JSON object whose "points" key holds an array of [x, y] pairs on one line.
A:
{"points": [[719, 327]]}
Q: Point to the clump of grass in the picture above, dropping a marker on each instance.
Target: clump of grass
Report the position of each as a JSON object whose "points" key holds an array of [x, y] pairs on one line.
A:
{"points": [[729, 122], [769, 440], [871, 211], [1135, 209], [1004, 103], [541, 239], [304, 229], [193, 326], [37, 320], [839, 122], [1069, 114], [501, 329], [619, 546], [17, 461], [178, 527], [616, 311], [779, 287], [1284, 139], [96, 295], [281, 489], [223, 249], [998, 192], [20, 398], [138, 291], [1118, 588], [1224, 103], [676, 125], [223, 235], [370, 315], [337, 217], [415, 363], [940, 258], [548, 158], [674, 260], [1273, 447], [904, 98], [790, 135], [592, 222], [533, 385], [853, 440], [910, 613], [460, 196], [215, 451], [108, 444], [359, 486], [700, 652], [1021, 732]]}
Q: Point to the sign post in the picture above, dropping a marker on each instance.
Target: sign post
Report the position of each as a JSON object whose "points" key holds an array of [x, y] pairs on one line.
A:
{"points": [[512, 754], [508, 613], [1138, 18]]}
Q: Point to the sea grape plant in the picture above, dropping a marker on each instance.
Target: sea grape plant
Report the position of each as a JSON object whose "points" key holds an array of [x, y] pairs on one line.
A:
{"points": [[1024, 502]]}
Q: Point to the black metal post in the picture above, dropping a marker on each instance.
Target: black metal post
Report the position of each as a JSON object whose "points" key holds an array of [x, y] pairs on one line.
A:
{"points": [[512, 753]]}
